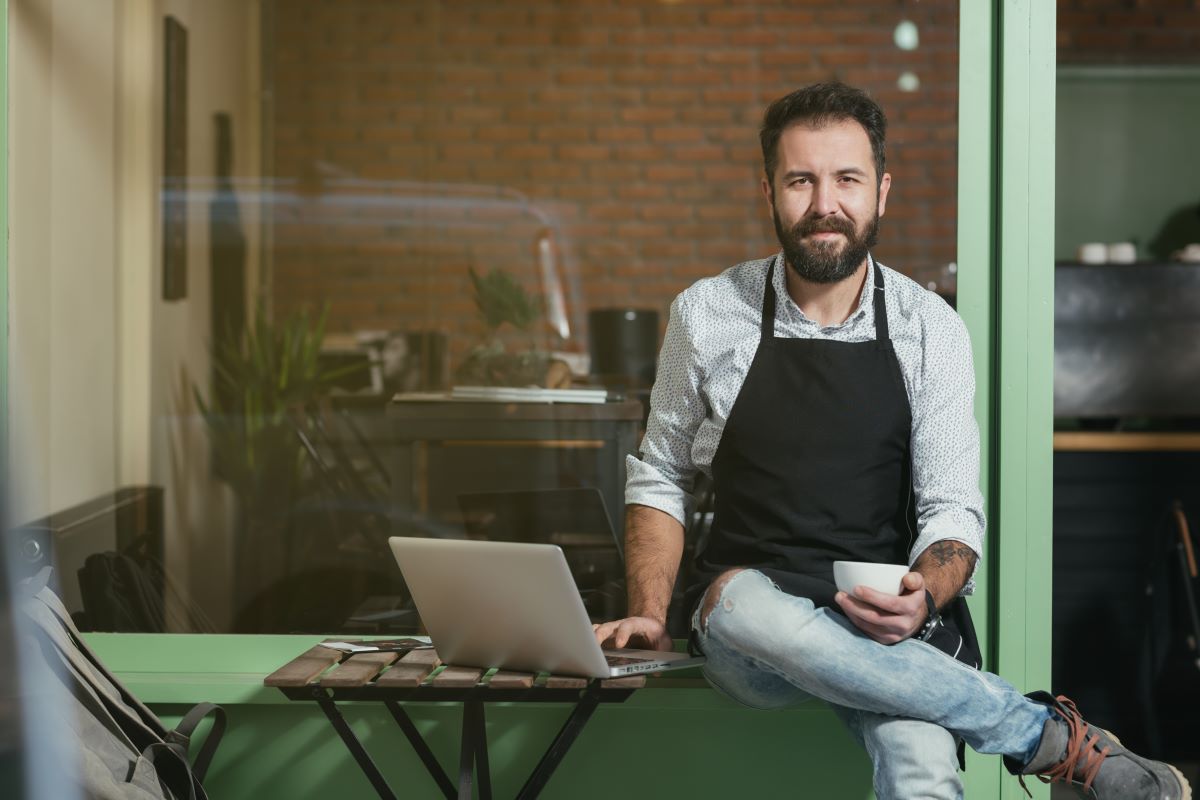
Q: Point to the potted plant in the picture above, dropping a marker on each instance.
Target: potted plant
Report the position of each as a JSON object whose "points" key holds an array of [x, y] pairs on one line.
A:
{"points": [[265, 381], [502, 301]]}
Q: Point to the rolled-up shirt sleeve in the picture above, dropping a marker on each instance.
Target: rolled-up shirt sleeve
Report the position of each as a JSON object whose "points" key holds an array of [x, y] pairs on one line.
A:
{"points": [[663, 474], [945, 441]]}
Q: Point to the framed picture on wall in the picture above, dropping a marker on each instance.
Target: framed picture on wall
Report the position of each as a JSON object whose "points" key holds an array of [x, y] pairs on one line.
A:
{"points": [[174, 179]]}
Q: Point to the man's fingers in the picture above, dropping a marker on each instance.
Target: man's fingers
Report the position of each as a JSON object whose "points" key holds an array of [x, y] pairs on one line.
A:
{"points": [[619, 633], [858, 609], [882, 627], [605, 630], [913, 581], [873, 612], [621, 638], [894, 604]]}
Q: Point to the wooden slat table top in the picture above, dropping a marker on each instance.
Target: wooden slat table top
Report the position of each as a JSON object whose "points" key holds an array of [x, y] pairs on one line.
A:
{"points": [[358, 670], [625, 682], [302, 669], [413, 670], [457, 677], [503, 679]]}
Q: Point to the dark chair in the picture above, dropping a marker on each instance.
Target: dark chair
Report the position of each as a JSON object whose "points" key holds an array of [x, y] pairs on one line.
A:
{"points": [[1169, 667]]}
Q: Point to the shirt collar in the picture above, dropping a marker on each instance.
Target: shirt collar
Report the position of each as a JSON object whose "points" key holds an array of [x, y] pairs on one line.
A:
{"points": [[866, 299]]}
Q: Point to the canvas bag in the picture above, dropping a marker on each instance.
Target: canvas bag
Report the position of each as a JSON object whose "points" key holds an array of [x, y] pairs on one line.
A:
{"points": [[126, 752]]}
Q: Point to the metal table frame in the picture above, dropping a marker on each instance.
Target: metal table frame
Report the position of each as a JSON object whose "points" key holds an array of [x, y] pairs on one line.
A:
{"points": [[473, 755]]}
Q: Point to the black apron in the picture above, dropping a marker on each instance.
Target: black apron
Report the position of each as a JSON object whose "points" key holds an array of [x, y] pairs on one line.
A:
{"points": [[814, 466]]}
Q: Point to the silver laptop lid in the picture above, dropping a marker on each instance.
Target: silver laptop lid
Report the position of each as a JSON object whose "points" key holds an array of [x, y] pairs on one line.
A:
{"points": [[500, 604]]}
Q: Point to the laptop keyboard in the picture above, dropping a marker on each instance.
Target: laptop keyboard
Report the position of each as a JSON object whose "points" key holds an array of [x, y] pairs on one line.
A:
{"points": [[621, 661]]}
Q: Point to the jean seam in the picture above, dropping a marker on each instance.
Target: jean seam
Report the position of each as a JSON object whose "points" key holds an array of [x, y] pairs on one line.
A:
{"points": [[944, 654], [724, 691]]}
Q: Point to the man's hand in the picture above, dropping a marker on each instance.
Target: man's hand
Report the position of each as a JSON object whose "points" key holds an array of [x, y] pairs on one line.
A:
{"points": [[887, 618], [642, 632]]}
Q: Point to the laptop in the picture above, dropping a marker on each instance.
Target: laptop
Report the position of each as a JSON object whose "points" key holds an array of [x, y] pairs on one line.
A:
{"points": [[512, 605]]}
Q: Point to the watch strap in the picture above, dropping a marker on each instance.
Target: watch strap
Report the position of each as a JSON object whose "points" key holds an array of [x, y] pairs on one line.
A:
{"points": [[933, 619]]}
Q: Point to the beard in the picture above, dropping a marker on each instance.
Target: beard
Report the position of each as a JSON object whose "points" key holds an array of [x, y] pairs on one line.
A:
{"points": [[823, 262]]}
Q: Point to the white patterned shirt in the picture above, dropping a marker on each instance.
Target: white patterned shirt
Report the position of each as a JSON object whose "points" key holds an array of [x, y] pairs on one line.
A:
{"points": [[711, 339]]}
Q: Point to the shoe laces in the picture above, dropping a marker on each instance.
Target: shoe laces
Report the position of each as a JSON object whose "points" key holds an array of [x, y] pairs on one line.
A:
{"points": [[1083, 752]]}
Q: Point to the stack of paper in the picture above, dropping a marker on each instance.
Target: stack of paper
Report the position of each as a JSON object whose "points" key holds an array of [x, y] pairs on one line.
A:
{"points": [[520, 394]]}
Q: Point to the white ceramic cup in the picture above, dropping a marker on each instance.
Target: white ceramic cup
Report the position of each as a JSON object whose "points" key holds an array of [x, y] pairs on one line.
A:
{"points": [[1190, 254], [1122, 253], [883, 578], [1093, 253]]}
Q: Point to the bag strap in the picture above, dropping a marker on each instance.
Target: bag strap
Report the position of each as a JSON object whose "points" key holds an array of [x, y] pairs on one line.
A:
{"points": [[181, 736], [1185, 538], [145, 716], [28, 588], [173, 772]]}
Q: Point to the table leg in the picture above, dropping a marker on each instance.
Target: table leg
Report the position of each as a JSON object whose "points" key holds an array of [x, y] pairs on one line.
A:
{"points": [[482, 770], [356, 749], [467, 750], [558, 748], [421, 748]]}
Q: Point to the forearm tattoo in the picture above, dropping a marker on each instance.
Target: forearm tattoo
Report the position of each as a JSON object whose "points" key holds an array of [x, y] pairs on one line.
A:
{"points": [[944, 552], [946, 566]]}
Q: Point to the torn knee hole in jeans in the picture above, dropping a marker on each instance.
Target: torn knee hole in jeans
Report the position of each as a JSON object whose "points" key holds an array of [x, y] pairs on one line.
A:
{"points": [[716, 594]]}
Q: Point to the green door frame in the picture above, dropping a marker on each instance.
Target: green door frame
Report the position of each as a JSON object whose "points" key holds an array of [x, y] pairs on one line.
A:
{"points": [[3, 245], [1006, 221], [1005, 248]]}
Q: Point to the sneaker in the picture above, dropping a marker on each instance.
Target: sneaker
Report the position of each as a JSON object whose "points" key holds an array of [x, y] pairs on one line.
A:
{"points": [[1072, 751]]}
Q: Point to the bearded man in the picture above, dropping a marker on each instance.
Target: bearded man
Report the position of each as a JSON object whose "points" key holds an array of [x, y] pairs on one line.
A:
{"points": [[830, 400]]}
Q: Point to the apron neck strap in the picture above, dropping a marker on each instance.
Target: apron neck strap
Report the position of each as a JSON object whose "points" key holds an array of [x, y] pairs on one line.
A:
{"points": [[768, 309], [881, 323]]}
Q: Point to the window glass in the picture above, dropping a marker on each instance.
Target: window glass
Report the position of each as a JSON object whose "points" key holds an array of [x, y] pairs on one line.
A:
{"points": [[275, 237]]}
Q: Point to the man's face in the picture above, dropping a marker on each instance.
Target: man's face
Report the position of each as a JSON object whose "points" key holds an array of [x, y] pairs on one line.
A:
{"points": [[825, 200]]}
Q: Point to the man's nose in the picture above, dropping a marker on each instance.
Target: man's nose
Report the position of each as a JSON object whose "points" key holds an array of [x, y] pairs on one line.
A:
{"points": [[824, 200]]}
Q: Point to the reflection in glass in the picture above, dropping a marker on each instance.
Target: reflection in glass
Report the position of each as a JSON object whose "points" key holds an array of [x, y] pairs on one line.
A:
{"points": [[389, 199]]}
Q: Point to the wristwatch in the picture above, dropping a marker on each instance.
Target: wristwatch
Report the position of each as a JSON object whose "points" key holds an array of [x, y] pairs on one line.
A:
{"points": [[933, 620]]}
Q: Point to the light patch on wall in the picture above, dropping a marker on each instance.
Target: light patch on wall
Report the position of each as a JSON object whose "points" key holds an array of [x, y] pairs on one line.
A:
{"points": [[906, 35], [908, 82]]}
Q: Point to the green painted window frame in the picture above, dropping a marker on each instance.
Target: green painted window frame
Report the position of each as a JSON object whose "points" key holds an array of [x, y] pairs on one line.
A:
{"points": [[1005, 249], [4, 239]]}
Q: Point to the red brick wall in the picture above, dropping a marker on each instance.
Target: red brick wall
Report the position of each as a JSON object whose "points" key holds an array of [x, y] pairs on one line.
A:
{"points": [[630, 127], [1128, 31]]}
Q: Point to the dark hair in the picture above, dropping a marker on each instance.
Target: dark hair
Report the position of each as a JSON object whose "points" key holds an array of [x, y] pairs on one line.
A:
{"points": [[817, 106]]}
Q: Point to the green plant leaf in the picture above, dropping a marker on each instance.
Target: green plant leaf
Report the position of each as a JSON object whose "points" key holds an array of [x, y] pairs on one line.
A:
{"points": [[273, 369], [501, 299]]}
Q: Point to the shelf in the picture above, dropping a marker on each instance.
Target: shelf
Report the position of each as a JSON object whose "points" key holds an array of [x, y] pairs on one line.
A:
{"points": [[1110, 441]]}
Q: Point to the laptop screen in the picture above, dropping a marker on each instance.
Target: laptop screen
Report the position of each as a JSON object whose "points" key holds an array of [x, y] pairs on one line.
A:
{"points": [[575, 520]]}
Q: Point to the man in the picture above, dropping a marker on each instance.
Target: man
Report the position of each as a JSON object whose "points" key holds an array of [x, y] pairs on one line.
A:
{"points": [[830, 399]]}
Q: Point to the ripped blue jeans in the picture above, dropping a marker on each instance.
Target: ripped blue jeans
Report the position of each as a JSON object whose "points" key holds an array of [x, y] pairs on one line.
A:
{"points": [[904, 703]]}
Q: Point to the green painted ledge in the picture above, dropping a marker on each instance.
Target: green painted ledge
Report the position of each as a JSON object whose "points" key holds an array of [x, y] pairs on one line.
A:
{"points": [[677, 737], [229, 668]]}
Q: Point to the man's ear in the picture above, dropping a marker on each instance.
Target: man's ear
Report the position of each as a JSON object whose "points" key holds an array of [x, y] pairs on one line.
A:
{"points": [[884, 186], [769, 193]]}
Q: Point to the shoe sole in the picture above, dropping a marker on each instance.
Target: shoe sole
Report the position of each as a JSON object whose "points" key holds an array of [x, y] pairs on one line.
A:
{"points": [[1183, 784], [1184, 787]]}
